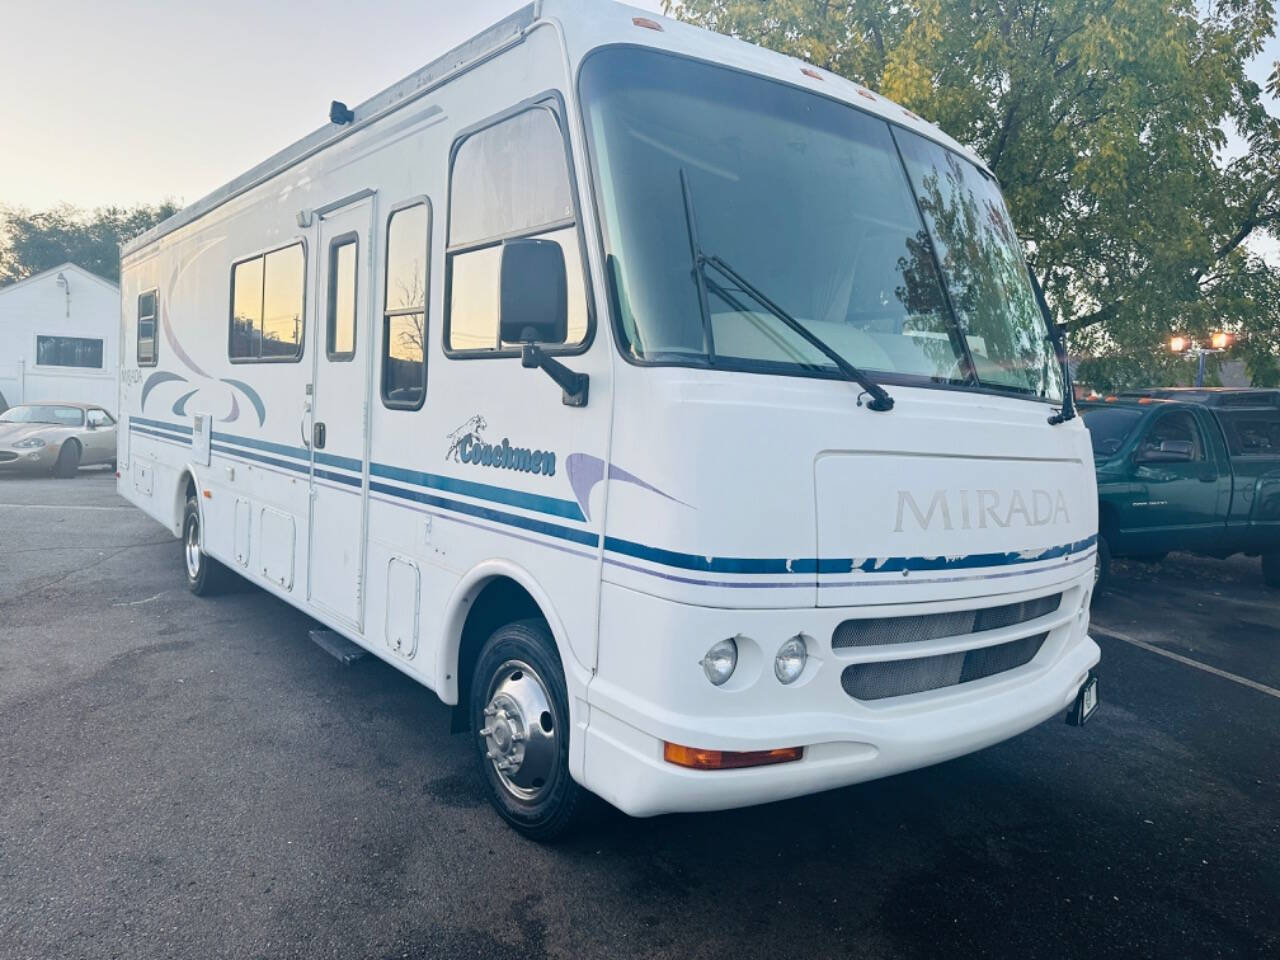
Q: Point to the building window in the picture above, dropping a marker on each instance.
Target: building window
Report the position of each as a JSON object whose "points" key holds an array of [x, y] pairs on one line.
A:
{"points": [[68, 352], [404, 314], [147, 329], [507, 181], [267, 298], [340, 323]]}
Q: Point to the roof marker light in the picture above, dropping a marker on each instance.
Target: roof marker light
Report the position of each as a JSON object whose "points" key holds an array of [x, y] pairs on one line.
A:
{"points": [[647, 23], [810, 72], [867, 94]]}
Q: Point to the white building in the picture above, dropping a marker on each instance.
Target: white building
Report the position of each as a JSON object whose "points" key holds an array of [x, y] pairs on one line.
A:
{"points": [[59, 334]]}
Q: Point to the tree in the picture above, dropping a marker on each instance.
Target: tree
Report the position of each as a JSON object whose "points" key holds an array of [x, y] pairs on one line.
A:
{"points": [[1106, 123], [31, 242]]}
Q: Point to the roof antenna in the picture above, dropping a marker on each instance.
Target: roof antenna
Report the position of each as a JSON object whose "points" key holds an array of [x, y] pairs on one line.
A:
{"points": [[340, 113]]}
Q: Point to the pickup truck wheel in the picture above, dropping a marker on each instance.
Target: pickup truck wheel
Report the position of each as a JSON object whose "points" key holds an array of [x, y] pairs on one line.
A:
{"points": [[1101, 566], [520, 721], [1271, 569]]}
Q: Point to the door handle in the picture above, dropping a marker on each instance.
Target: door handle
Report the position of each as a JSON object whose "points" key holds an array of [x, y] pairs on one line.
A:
{"points": [[317, 435]]}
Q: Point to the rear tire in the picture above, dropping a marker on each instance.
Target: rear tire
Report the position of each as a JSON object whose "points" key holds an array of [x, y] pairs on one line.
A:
{"points": [[1101, 566], [68, 460], [519, 710], [205, 575], [1271, 570]]}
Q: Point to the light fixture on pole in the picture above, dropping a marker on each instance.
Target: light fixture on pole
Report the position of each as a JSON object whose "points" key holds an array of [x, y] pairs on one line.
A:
{"points": [[1219, 341]]}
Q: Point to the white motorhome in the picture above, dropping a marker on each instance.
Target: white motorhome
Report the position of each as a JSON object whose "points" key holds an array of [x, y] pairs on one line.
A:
{"points": [[681, 413]]}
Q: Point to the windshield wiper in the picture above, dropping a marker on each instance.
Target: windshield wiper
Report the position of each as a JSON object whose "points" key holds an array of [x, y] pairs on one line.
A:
{"points": [[880, 400], [1068, 411]]}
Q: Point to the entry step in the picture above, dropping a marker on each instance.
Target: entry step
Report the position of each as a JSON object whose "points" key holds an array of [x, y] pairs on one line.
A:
{"points": [[338, 646]]}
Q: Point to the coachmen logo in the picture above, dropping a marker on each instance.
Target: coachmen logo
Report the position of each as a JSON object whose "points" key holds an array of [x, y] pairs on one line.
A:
{"points": [[980, 509], [467, 445]]}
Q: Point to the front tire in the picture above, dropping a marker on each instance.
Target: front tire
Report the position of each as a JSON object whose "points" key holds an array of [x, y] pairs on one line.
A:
{"points": [[1271, 570], [519, 711], [68, 460], [204, 574]]}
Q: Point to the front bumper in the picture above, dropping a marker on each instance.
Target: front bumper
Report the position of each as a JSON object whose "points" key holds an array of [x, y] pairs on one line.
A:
{"points": [[22, 459], [650, 689]]}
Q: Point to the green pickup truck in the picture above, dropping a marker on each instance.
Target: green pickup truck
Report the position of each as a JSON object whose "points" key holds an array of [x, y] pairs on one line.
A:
{"points": [[1188, 469]]}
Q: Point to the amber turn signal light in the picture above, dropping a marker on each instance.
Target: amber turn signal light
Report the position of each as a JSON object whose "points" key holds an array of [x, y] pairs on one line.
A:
{"points": [[698, 759]]}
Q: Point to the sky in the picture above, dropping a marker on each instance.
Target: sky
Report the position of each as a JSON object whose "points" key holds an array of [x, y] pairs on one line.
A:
{"points": [[136, 101]]}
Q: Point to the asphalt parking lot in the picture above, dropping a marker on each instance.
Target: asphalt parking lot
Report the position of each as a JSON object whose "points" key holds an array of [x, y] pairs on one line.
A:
{"points": [[195, 778]]}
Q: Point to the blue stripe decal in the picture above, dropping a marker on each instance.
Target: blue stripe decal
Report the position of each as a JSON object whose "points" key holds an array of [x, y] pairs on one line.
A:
{"points": [[568, 509], [830, 565], [282, 464], [497, 516], [162, 425], [160, 433]]}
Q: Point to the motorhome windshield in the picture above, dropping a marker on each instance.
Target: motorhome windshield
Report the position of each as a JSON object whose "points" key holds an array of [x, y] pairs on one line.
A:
{"points": [[839, 217]]}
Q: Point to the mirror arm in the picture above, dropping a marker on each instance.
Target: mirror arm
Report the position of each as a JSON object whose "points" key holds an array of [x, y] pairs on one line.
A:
{"points": [[573, 384]]}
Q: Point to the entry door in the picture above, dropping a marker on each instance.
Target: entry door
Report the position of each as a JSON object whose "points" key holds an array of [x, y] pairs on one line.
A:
{"points": [[339, 409]]}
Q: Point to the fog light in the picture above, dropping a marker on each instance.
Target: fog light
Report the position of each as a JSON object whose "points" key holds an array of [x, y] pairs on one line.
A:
{"points": [[720, 661], [789, 663]]}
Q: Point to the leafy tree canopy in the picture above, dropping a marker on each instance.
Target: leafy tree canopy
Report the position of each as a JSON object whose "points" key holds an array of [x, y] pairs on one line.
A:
{"points": [[1106, 123], [31, 242]]}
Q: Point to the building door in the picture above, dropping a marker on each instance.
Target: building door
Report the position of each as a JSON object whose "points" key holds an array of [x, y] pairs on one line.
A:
{"points": [[339, 425]]}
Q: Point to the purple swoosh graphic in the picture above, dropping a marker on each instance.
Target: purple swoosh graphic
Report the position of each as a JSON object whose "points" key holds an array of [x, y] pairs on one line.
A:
{"points": [[585, 471], [169, 334]]}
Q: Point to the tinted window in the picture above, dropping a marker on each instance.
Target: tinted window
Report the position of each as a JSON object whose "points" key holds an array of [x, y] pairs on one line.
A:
{"points": [[266, 306], [1109, 427], [147, 329], [340, 334], [68, 352], [404, 315], [508, 180], [1253, 433]]}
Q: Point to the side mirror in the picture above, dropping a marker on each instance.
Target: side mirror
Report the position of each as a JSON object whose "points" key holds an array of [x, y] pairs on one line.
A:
{"points": [[533, 301], [533, 309], [1170, 451], [91, 425]]}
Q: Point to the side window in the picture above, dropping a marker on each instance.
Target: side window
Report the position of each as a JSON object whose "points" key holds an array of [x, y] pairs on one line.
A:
{"points": [[1252, 434], [1178, 427], [404, 311], [340, 323], [147, 329], [509, 180], [267, 297]]}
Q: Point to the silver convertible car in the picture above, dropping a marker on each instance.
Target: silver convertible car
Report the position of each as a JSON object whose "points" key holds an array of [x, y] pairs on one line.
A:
{"points": [[56, 437]]}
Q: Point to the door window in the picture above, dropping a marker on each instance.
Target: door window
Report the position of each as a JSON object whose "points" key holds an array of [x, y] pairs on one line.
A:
{"points": [[340, 334], [1173, 432]]}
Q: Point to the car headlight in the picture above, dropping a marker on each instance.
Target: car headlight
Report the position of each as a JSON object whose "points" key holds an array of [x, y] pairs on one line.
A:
{"points": [[29, 443], [789, 663], [720, 662]]}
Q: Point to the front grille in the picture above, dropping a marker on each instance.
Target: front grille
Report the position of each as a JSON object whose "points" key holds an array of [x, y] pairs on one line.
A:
{"points": [[881, 631], [6, 456], [897, 678]]}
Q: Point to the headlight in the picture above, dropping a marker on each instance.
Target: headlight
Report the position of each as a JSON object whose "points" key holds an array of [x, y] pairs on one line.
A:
{"points": [[720, 661], [789, 663], [30, 442]]}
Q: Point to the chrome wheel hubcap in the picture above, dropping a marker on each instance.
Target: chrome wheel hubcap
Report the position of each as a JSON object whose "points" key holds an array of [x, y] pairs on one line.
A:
{"points": [[191, 549], [520, 730]]}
